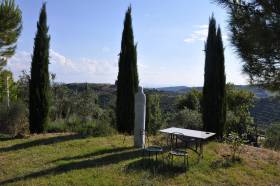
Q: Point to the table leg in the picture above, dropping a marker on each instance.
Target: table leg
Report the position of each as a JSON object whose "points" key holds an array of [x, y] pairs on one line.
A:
{"points": [[201, 148]]}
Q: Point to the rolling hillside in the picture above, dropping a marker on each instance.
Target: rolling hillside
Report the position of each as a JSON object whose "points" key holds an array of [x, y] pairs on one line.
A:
{"points": [[265, 112]]}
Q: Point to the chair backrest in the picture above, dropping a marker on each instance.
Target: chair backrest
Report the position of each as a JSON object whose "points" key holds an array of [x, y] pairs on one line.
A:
{"points": [[178, 135]]}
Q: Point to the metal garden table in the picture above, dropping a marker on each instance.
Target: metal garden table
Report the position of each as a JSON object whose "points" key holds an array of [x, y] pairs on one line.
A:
{"points": [[188, 136]]}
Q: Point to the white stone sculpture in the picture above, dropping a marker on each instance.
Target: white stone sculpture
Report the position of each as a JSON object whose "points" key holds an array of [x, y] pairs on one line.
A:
{"points": [[140, 117]]}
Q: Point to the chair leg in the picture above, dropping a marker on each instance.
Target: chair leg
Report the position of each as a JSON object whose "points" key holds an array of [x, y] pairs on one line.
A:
{"points": [[156, 156]]}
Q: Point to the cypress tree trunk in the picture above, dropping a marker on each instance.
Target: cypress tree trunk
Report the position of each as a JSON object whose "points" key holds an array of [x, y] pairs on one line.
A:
{"points": [[39, 82], [127, 83], [214, 100]]}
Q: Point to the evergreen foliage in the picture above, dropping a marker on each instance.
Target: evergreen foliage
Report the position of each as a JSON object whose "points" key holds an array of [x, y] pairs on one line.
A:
{"points": [[255, 33], [10, 29], [127, 83], [154, 119], [40, 83], [214, 100]]}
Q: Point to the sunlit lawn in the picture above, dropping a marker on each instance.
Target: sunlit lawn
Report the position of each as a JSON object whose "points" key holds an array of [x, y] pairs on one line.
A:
{"points": [[69, 159]]}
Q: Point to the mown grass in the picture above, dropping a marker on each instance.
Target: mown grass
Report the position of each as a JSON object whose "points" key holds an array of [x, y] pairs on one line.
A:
{"points": [[70, 159]]}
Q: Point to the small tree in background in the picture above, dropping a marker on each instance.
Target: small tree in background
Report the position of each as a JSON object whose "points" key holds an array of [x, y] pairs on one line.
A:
{"points": [[154, 119], [127, 83], [40, 83], [23, 88], [191, 100], [10, 29], [239, 120], [214, 103]]}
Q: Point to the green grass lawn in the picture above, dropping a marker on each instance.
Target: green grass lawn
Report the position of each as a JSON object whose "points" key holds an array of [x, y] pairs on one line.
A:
{"points": [[69, 159]]}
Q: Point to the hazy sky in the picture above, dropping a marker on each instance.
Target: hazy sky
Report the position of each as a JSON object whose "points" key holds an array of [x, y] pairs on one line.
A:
{"points": [[86, 37]]}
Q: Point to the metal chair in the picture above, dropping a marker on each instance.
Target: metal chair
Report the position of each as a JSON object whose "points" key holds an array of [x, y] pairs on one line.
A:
{"points": [[176, 151], [153, 149]]}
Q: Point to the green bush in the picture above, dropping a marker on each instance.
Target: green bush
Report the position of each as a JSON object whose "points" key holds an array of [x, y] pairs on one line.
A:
{"points": [[191, 100], [92, 128], [14, 120], [96, 129], [57, 126], [272, 137], [186, 118], [154, 118]]}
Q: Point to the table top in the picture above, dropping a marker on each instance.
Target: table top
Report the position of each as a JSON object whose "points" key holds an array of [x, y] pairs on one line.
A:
{"points": [[188, 132]]}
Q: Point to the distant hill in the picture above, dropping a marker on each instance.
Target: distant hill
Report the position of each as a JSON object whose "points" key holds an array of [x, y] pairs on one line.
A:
{"points": [[259, 92], [266, 111], [176, 89]]}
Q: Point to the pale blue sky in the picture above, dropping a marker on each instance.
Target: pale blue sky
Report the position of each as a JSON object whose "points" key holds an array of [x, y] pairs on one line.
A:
{"points": [[86, 36]]}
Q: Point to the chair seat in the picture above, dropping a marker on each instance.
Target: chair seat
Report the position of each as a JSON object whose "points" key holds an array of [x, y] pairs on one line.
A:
{"points": [[178, 152], [154, 149]]}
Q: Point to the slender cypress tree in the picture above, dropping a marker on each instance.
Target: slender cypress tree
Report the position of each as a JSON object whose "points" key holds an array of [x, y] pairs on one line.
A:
{"points": [[209, 79], [127, 83], [39, 82], [221, 90], [214, 103]]}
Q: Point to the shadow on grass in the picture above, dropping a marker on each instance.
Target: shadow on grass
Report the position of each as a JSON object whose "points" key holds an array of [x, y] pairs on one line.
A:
{"points": [[46, 141], [6, 138], [97, 153], [85, 164], [156, 167]]}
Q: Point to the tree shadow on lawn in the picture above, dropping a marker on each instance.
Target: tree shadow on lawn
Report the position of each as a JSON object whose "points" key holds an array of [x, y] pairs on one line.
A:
{"points": [[46, 141], [92, 154], [156, 167], [85, 164]]}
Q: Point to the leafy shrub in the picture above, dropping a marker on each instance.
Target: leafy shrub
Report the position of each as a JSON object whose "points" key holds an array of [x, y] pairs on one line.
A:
{"points": [[154, 119], [238, 123], [239, 120], [187, 118], [57, 126], [93, 128], [96, 129], [272, 137], [13, 120], [235, 143], [191, 100]]}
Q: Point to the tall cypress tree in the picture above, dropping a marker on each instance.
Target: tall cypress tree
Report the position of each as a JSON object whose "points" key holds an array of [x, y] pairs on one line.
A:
{"points": [[214, 103], [221, 90], [39, 82], [127, 83]]}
